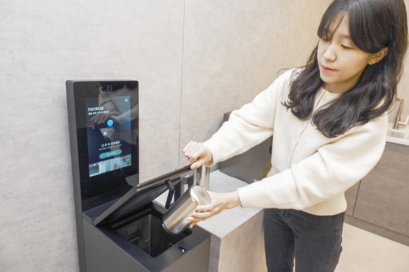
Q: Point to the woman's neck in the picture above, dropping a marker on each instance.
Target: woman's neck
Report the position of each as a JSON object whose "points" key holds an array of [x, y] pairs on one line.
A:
{"points": [[342, 87]]}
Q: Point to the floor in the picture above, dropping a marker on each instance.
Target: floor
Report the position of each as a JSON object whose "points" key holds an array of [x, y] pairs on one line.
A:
{"points": [[367, 252]]}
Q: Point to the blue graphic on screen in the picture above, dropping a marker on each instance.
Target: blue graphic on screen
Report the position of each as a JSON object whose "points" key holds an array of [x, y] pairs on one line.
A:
{"points": [[108, 134]]}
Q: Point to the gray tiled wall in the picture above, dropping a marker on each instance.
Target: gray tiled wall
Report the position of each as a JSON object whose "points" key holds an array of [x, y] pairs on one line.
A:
{"points": [[383, 195], [403, 91], [44, 43], [234, 49]]}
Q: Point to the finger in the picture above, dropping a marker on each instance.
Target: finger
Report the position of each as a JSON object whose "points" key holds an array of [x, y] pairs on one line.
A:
{"points": [[204, 208], [198, 163], [207, 207], [190, 160], [192, 146], [192, 221], [198, 153], [201, 215], [100, 119], [96, 119], [191, 149], [187, 146], [105, 117]]}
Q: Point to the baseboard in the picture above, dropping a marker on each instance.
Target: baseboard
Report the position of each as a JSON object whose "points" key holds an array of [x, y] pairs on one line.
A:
{"points": [[394, 236]]}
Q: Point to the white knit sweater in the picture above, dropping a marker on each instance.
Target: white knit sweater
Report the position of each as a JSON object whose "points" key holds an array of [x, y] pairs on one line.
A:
{"points": [[310, 172]]}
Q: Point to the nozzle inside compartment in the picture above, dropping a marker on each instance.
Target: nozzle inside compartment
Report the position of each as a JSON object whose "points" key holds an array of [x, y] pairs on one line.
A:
{"points": [[146, 232]]}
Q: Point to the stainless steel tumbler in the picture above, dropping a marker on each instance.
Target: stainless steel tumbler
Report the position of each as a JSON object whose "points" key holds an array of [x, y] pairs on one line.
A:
{"points": [[201, 176], [175, 219], [187, 180]]}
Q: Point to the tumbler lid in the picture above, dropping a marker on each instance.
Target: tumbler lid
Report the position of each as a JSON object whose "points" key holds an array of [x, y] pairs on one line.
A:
{"points": [[200, 194]]}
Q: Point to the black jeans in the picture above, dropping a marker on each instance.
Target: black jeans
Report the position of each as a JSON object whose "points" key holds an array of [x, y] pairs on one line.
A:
{"points": [[314, 241]]}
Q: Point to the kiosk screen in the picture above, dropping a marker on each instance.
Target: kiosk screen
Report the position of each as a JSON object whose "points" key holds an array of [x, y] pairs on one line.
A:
{"points": [[108, 133]]}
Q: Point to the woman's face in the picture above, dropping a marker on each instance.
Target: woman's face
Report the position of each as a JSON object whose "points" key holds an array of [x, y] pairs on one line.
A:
{"points": [[341, 63]]}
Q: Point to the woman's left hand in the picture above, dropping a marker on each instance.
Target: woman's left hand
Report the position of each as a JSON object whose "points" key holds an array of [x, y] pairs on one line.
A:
{"points": [[219, 203]]}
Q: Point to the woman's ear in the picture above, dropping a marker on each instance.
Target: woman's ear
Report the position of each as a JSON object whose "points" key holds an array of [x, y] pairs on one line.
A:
{"points": [[377, 57]]}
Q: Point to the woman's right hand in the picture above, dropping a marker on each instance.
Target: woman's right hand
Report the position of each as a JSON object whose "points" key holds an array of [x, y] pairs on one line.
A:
{"points": [[197, 154]]}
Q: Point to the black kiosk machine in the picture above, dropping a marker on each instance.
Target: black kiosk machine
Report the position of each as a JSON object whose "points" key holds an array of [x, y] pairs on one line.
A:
{"points": [[119, 226]]}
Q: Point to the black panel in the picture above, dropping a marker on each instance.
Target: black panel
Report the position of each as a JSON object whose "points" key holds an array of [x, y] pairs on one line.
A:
{"points": [[107, 250], [103, 122], [249, 165], [106, 122], [142, 195]]}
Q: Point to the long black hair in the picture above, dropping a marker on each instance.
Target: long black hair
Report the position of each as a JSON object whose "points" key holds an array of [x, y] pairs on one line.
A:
{"points": [[373, 25]]}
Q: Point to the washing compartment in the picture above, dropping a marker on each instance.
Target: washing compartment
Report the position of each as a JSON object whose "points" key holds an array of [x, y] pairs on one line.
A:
{"points": [[147, 233], [126, 234], [138, 242]]}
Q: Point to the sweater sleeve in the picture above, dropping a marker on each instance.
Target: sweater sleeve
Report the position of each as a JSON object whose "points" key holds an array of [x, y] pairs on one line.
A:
{"points": [[250, 125], [330, 171]]}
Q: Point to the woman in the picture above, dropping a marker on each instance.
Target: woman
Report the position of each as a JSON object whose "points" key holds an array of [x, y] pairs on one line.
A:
{"points": [[329, 120]]}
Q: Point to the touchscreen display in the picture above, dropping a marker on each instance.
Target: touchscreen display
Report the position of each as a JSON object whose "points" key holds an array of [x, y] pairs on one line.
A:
{"points": [[108, 133]]}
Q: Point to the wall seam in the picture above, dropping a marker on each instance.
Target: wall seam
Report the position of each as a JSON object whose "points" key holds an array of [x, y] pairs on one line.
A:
{"points": [[181, 79], [292, 31]]}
